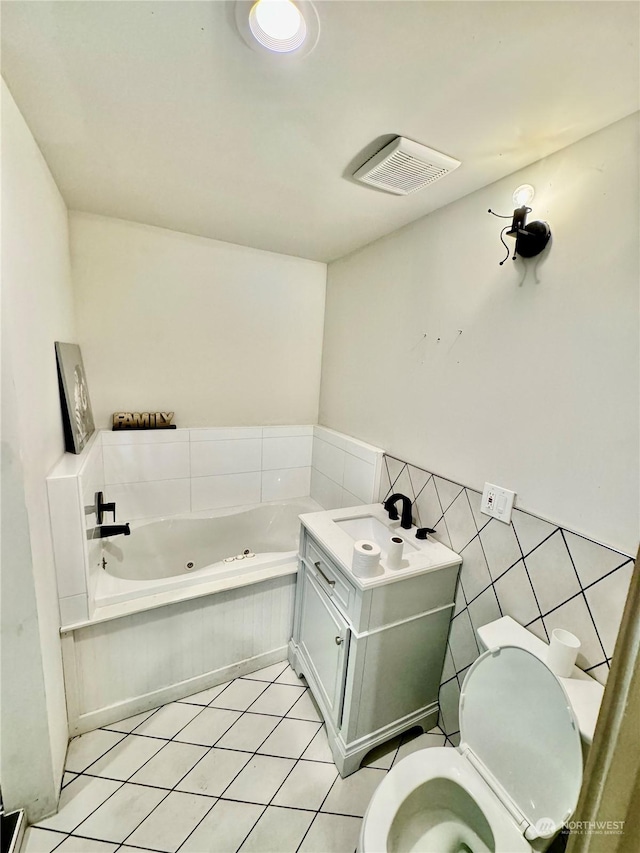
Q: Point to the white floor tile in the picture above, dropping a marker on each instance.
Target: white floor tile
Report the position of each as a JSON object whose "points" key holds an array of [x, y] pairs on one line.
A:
{"points": [[224, 829], [307, 785], [215, 772], [128, 756], [208, 726], [351, 796], [168, 766], [167, 722], [74, 844], [278, 831], [125, 849], [269, 673], [290, 738], [305, 709], [318, 749], [239, 695], [78, 800], [331, 834], [68, 777], [86, 749], [38, 840], [423, 741], [248, 732], [205, 696], [130, 723], [289, 677], [259, 780], [121, 813], [169, 825], [277, 699]]}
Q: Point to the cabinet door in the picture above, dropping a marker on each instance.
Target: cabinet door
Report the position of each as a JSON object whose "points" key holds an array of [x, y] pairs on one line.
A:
{"points": [[324, 638]]}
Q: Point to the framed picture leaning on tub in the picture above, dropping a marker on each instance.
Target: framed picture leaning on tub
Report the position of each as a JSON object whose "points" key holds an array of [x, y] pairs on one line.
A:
{"points": [[77, 417]]}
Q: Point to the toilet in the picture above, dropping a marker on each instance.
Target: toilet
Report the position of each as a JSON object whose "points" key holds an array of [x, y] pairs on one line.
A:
{"points": [[510, 784]]}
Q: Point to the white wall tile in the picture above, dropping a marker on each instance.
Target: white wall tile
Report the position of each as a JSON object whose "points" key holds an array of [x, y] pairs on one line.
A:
{"points": [[348, 499], [144, 436], [135, 463], [324, 491], [286, 452], [235, 456], [225, 490], [359, 478], [366, 452], [284, 431], [68, 531], [328, 459], [150, 499], [225, 433], [286, 483], [73, 609], [330, 436]]}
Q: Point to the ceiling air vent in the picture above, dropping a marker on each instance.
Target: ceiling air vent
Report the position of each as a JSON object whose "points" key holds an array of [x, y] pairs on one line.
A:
{"points": [[403, 166]]}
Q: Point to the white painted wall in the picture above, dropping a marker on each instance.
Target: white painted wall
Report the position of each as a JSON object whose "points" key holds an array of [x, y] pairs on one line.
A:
{"points": [[37, 310], [220, 334], [540, 391]]}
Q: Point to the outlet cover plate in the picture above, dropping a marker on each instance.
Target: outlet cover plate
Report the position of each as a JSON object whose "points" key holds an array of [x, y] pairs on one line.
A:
{"points": [[497, 502]]}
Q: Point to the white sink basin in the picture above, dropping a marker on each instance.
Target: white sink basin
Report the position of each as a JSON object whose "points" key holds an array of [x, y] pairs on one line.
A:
{"points": [[368, 527]]}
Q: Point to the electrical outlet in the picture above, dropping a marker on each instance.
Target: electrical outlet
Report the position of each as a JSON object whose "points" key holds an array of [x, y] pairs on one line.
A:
{"points": [[497, 502]]}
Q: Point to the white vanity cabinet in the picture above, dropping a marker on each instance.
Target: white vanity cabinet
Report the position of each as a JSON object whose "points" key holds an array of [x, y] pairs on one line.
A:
{"points": [[372, 652]]}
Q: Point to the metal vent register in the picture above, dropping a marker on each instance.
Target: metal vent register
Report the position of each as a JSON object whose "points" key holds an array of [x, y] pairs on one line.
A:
{"points": [[404, 166]]}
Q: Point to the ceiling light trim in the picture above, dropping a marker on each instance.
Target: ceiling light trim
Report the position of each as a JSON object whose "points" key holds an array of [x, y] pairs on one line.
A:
{"points": [[296, 46]]}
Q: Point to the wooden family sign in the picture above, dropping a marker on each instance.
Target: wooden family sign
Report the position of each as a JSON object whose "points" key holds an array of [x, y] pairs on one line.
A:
{"points": [[143, 420]]}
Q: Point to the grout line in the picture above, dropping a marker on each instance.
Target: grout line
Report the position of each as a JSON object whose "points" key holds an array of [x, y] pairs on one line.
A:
{"points": [[621, 566]]}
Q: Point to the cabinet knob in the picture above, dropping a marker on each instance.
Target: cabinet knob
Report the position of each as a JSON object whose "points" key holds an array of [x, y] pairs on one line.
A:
{"points": [[339, 641]]}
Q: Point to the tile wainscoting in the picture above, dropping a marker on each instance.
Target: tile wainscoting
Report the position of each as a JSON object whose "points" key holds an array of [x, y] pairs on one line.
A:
{"points": [[537, 572]]}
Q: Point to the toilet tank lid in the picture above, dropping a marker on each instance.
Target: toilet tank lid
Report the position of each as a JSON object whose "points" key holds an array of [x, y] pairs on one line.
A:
{"points": [[519, 730], [584, 692]]}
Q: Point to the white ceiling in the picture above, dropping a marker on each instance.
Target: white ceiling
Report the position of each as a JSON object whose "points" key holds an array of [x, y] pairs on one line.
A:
{"points": [[157, 112]]}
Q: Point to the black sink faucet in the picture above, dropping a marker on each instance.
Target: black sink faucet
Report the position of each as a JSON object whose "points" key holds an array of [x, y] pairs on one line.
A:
{"points": [[390, 506], [112, 530]]}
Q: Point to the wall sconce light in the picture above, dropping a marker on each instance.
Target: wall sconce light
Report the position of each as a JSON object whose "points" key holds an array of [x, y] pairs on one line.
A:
{"points": [[530, 239]]}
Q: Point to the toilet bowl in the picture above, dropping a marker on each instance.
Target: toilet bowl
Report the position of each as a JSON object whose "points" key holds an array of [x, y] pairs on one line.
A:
{"points": [[508, 787]]}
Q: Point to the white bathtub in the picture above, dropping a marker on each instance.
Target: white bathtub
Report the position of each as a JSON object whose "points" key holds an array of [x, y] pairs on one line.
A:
{"points": [[198, 551]]}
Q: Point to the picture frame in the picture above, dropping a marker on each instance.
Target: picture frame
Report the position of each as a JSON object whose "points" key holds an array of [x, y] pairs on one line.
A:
{"points": [[77, 416]]}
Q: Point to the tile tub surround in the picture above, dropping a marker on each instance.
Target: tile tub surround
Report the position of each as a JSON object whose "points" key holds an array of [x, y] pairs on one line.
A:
{"points": [[243, 766], [170, 472], [540, 574], [160, 473], [344, 471], [71, 490]]}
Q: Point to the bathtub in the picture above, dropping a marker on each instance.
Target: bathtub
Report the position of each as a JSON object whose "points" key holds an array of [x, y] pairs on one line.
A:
{"points": [[201, 552]]}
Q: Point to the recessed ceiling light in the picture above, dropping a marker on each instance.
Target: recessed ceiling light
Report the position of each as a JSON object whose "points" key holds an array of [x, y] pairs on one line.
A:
{"points": [[278, 26]]}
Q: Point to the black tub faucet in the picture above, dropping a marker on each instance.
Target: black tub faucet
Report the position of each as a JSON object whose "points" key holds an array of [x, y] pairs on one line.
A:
{"points": [[112, 530], [390, 506]]}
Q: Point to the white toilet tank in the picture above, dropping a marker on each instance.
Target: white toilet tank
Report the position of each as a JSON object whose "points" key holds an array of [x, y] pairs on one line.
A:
{"points": [[584, 692]]}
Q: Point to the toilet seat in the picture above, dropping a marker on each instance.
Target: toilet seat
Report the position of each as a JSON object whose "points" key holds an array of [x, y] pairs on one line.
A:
{"points": [[519, 759]]}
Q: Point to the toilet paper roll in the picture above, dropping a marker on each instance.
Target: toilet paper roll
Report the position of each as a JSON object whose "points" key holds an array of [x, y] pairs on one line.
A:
{"points": [[395, 546], [562, 652], [365, 562]]}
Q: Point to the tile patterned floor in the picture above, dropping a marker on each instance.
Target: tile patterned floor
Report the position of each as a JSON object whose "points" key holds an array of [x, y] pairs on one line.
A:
{"points": [[244, 766]]}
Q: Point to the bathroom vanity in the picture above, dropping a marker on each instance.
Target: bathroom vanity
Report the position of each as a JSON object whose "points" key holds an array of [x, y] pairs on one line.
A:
{"points": [[371, 649]]}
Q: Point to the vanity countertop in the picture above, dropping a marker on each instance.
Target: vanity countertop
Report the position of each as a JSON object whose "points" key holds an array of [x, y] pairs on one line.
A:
{"points": [[421, 555]]}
